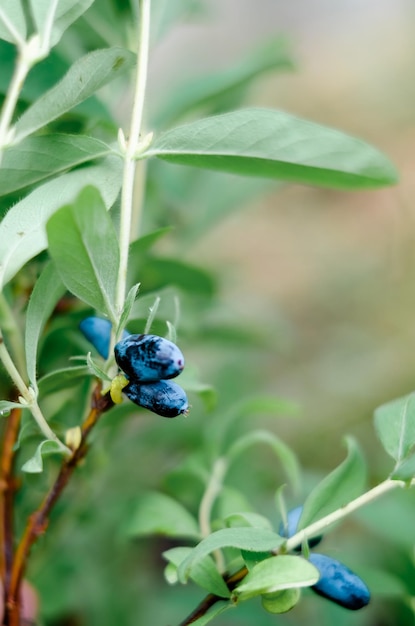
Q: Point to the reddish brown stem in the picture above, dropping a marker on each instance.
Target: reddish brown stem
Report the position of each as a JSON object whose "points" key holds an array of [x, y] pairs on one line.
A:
{"points": [[8, 487], [211, 599], [39, 520]]}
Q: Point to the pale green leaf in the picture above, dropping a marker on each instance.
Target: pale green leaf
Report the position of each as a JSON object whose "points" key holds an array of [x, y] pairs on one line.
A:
{"points": [[35, 464], [126, 311], [156, 513], [247, 518], [395, 426], [250, 539], [23, 229], [67, 12], [83, 79], [62, 379], [205, 574], [84, 245], [275, 144], [280, 601], [216, 610], [6, 407], [341, 486], [12, 21], [47, 291], [37, 158], [276, 573]]}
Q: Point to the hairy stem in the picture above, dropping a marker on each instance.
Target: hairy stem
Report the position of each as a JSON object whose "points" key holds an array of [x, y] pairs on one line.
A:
{"points": [[39, 519], [131, 148], [27, 394]]}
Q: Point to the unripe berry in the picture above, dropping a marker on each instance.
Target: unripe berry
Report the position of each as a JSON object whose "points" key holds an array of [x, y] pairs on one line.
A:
{"points": [[162, 397], [148, 358]]}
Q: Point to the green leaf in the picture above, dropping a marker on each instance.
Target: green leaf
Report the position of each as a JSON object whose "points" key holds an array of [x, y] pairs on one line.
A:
{"points": [[23, 229], [6, 407], [204, 574], [343, 484], [274, 144], [395, 426], [47, 291], [283, 452], [250, 539], [37, 158], [280, 601], [405, 470], [158, 272], [83, 79], [62, 379], [212, 89], [95, 370], [35, 464], [276, 573], [83, 243], [11, 13], [128, 305], [249, 519], [67, 12], [156, 513]]}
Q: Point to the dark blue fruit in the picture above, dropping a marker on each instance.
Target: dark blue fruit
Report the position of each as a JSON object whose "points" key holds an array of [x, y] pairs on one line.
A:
{"points": [[149, 358], [163, 397], [293, 517], [98, 332], [339, 584]]}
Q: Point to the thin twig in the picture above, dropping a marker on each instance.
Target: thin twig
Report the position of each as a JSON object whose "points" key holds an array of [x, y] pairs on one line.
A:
{"points": [[39, 519]]}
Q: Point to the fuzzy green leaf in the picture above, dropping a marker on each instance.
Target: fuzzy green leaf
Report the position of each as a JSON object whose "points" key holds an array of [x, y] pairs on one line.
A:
{"points": [[204, 574], [47, 291], [83, 243], [276, 573], [12, 20], [37, 158], [395, 427], [249, 539], [35, 464], [274, 144], [158, 514], [6, 407], [343, 484], [84, 78], [23, 229], [67, 12], [62, 379]]}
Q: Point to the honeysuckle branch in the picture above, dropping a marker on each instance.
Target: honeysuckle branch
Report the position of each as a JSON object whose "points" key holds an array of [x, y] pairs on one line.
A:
{"points": [[130, 146], [296, 540], [38, 521], [27, 395]]}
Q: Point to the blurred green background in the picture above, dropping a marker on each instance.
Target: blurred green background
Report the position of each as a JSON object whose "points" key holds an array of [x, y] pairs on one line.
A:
{"points": [[310, 297]]}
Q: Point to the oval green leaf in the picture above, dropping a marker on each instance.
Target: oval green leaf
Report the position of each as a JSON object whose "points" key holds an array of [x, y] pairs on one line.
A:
{"points": [[395, 426], [275, 144]]}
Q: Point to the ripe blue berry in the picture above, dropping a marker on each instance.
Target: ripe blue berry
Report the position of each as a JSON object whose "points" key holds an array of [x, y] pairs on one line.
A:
{"points": [[293, 517], [98, 331], [148, 358], [163, 397], [339, 584]]}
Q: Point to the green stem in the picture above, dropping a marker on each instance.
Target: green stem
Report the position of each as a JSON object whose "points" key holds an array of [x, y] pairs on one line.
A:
{"points": [[212, 491], [131, 150], [27, 395], [319, 526]]}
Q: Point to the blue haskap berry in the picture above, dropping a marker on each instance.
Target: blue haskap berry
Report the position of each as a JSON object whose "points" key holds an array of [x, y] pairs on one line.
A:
{"points": [[339, 584], [293, 517], [149, 358], [163, 397], [98, 331]]}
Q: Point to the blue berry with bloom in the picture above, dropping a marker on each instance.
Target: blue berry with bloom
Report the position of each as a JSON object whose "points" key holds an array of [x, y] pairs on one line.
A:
{"points": [[339, 584], [163, 397], [148, 358], [98, 332]]}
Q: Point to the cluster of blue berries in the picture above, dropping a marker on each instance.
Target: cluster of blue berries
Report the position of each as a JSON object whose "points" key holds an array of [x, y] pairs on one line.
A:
{"points": [[337, 582], [148, 362]]}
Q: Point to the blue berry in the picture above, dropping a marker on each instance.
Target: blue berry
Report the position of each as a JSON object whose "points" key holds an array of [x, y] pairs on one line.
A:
{"points": [[98, 332], [148, 358], [339, 584], [293, 517], [163, 397]]}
